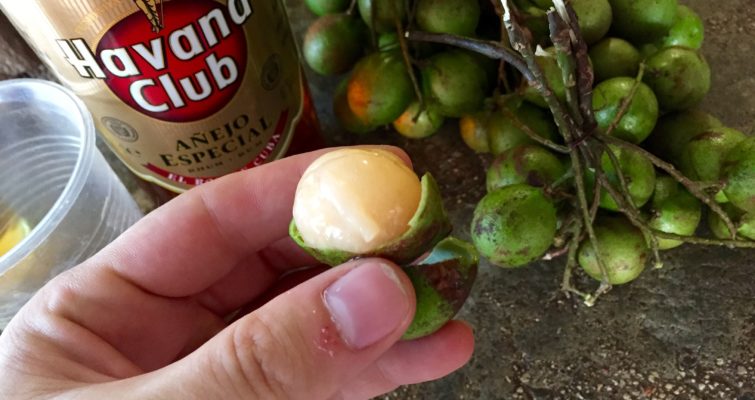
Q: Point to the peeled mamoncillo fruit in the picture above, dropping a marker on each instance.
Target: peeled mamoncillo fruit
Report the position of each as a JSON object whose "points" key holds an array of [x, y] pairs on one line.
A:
{"points": [[526, 163], [673, 210], [366, 202], [514, 225], [622, 248]]}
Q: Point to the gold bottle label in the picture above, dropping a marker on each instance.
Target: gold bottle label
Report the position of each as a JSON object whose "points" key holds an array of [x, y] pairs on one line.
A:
{"points": [[183, 91]]}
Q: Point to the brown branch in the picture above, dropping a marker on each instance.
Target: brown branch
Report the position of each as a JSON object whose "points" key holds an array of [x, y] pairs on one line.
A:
{"points": [[409, 68], [532, 134], [747, 244], [485, 47], [626, 101]]}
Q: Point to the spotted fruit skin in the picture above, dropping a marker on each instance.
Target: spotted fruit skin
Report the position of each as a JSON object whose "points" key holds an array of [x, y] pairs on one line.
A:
{"points": [[514, 225], [442, 282], [622, 247]]}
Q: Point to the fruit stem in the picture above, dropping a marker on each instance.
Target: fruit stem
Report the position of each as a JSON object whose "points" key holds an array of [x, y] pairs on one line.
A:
{"points": [[730, 243], [352, 7], [626, 101], [571, 262], [485, 47], [696, 189], [532, 134], [409, 68]]}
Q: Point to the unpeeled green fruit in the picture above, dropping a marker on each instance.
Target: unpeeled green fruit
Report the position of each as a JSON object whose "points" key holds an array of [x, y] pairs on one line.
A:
{"points": [[674, 131], [638, 173], [427, 122], [673, 210], [455, 83], [506, 126], [614, 57], [594, 16], [386, 12], [687, 30], [323, 7], [640, 117], [474, 131], [743, 222], [528, 164], [641, 21], [333, 43], [703, 155], [738, 172], [680, 77], [379, 89], [514, 225], [458, 17], [622, 248]]}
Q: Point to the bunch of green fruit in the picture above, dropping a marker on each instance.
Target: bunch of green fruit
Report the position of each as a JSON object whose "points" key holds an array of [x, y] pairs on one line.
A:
{"points": [[649, 76]]}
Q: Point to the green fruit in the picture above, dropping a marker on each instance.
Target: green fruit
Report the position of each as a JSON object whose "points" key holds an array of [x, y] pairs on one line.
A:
{"points": [[687, 30], [702, 156], [455, 83], [458, 17], [322, 7], [738, 172], [333, 43], [427, 123], [594, 18], [474, 131], [679, 77], [647, 50], [638, 173], [386, 12], [673, 210], [744, 222], [388, 41], [514, 225], [343, 112], [614, 57], [536, 21], [428, 226], [622, 248], [379, 89], [674, 130], [442, 282], [641, 115], [641, 21], [528, 164], [505, 127], [553, 76]]}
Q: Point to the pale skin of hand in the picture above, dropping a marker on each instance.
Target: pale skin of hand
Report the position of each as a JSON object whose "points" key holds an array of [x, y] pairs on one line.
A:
{"points": [[146, 317]]}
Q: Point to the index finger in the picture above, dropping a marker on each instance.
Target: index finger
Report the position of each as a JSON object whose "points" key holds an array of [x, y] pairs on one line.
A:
{"points": [[197, 238]]}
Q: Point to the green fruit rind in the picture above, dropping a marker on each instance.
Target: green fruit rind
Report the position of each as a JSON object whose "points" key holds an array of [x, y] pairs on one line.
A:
{"points": [[343, 113], [738, 172], [744, 222], [323, 7], [674, 131], [674, 210], [458, 17], [442, 282], [641, 21], [379, 89], [514, 225], [614, 57], [386, 13], [427, 227], [622, 248], [334, 43], [505, 133], [455, 83], [702, 156], [428, 122], [638, 172], [528, 164], [641, 116], [687, 30], [679, 77], [474, 131]]}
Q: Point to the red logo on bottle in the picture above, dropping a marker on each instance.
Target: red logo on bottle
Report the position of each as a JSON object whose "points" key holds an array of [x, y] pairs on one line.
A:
{"points": [[177, 61]]}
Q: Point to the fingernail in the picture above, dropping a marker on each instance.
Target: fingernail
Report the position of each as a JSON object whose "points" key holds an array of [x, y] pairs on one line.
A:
{"points": [[367, 304]]}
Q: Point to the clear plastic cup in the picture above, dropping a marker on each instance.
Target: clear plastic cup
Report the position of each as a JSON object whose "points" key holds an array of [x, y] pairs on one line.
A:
{"points": [[53, 177]]}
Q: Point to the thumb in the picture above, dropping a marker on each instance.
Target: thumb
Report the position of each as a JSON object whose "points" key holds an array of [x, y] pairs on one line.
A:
{"points": [[305, 344]]}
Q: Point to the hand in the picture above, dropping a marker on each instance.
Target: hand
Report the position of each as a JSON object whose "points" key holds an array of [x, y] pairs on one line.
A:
{"points": [[146, 318]]}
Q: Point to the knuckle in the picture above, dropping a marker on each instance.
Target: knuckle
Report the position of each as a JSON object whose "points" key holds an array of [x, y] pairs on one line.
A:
{"points": [[266, 359]]}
